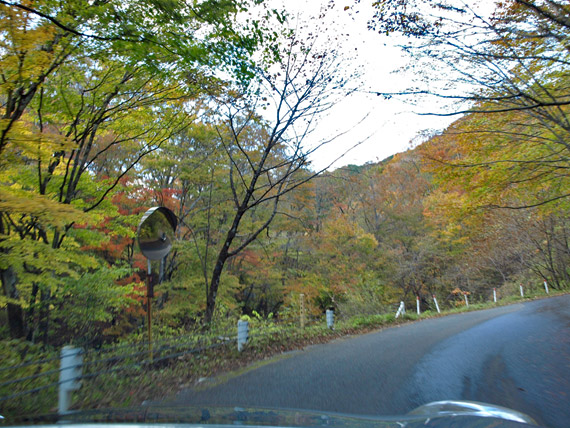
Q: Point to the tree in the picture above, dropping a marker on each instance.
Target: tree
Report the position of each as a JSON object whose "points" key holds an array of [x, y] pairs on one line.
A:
{"points": [[38, 38], [268, 159], [513, 63], [73, 127], [87, 91], [470, 176], [512, 59], [496, 162]]}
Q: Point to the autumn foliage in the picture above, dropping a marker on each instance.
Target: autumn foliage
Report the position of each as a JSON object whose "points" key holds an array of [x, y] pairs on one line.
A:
{"points": [[101, 120]]}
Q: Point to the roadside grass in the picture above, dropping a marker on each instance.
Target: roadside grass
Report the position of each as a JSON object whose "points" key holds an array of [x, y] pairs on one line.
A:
{"points": [[23, 356], [141, 380]]}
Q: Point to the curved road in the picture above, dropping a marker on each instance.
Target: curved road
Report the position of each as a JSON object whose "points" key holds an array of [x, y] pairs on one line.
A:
{"points": [[516, 356]]}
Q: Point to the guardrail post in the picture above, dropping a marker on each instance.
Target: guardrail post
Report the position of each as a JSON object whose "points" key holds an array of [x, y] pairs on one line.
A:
{"points": [[69, 375], [330, 319], [242, 334]]}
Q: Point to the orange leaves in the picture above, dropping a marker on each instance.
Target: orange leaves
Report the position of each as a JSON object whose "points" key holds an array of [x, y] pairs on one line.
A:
{"points": [[458, 292]]}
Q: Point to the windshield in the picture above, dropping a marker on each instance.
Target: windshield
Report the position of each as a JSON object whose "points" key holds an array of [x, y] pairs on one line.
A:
{"points": [[321, 209]]}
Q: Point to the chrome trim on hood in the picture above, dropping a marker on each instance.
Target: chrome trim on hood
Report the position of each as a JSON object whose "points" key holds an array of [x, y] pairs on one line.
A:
{"points": [[471, 408]]}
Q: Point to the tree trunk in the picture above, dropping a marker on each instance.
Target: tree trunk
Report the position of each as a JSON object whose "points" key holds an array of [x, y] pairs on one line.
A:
{"points": [[30, 337], [213, 292], [45, 297], [221, 261], [15, 313]]}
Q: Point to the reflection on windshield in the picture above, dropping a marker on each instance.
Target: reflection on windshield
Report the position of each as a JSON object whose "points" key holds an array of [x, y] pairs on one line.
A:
{"points": [[267, 276]]}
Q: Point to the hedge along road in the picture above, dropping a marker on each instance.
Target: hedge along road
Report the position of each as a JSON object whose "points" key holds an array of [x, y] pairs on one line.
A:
{"points": [[516, 356]]}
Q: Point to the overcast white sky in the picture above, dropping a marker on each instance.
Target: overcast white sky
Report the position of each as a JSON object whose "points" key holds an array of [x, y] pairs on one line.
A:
{"points": [[391, 124]]}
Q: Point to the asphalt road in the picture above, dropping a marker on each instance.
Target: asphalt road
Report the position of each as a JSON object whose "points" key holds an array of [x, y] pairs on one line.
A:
{"points": [[516, 356]]}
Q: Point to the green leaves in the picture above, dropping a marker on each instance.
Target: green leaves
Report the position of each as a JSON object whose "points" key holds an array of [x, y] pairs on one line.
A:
{"points": [[94, 297]]}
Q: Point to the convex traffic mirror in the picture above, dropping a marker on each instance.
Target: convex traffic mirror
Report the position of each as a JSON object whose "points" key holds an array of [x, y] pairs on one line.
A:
{"points": [[155, 233]]}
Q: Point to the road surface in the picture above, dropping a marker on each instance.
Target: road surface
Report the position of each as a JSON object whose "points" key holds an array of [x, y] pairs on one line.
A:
{"points": [[516, 356]]}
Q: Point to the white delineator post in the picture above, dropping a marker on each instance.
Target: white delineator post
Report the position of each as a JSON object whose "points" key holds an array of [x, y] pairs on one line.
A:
{"points": [[330, 319], [418, 304], [466, 300], [546, 286], [522, 292], [401, 310], [436, 305], [242, 334], [495, 295], [302, 310], [69, 376]]}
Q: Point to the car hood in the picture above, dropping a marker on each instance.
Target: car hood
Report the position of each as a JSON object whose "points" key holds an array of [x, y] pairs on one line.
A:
{"points": [[465, 414]]}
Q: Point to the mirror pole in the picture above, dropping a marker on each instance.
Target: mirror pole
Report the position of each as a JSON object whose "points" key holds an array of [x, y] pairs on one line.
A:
{"points": [[155, 244], [148, 308]]}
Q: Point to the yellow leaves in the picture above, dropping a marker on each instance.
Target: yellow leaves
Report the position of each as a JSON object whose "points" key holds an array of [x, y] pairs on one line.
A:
{"points": [[18, 71], [496, 160], [4, 301], [15, 201], [23, 46], [28, 142], [342, 234], [35, 261]]}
